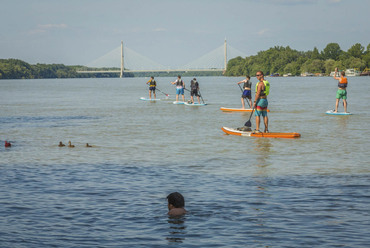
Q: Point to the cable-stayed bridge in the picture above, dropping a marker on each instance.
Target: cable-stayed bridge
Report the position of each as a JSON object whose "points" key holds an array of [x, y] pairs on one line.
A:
{"points": [[131, 61]]}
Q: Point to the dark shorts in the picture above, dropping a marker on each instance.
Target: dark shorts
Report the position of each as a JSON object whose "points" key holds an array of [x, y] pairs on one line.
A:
{"points": [[152, 89], [194, 92], [246, 94]]}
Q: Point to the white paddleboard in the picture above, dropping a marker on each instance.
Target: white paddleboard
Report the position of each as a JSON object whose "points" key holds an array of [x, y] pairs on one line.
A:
{"points": [[147, 99], [195, 104], [331, 112], [178, 102]]}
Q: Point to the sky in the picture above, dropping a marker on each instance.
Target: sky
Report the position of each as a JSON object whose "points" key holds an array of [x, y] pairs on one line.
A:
{"points": [[174, 32]]}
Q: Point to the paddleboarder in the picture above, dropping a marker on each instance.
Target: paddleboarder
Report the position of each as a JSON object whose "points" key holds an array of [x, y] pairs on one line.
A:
{"points": [[180, 86], [260, 101], [152, 84], [342, 90], [247, 94], [194, 89]]}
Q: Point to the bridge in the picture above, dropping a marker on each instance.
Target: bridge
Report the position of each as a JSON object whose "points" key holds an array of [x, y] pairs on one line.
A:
{"points": [[132, 61]]}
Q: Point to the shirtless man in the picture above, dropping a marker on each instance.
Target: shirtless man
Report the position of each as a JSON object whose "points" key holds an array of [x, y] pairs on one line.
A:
{"points": [[176, 204]]}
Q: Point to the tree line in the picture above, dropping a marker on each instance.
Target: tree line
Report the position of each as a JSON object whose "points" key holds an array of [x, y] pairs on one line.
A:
{"points": [[18, 69], [284, 60]]}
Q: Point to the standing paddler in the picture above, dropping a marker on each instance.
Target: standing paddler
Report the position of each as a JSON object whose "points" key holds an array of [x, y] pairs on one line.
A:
{"points": [[247, 94], [342, 90], [152, 84], [260, 102]]}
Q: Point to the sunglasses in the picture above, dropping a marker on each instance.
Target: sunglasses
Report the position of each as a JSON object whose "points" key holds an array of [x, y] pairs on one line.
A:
{"points": [[257, 75]]}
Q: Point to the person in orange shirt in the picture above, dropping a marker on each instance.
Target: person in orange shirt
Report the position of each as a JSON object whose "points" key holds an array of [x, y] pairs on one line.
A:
{"points": [[342, 90]]}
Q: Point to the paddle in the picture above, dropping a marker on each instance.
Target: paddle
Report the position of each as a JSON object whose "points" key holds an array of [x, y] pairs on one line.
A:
{"points": [[248, 123], [240, 88], [242, 93], [201, 97], [162, 92]]}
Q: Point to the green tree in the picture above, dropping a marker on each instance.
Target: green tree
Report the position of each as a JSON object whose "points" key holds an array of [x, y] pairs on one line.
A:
{"points": [[353, 62], [313, 66], [332, 51], [356, 50]]}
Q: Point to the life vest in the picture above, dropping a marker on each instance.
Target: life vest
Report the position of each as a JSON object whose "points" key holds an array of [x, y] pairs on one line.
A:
{"points": [[247, 84], [267, 88], [343, 83], [152, 83], [194, 85], [179, 82]]}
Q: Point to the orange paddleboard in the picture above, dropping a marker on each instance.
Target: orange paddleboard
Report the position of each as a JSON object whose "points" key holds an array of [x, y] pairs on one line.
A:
{"points": [[237, 110], [234, 131]]}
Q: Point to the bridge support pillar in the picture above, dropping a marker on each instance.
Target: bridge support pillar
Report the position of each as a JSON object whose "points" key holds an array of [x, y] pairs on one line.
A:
{"points": [[122, 68]]}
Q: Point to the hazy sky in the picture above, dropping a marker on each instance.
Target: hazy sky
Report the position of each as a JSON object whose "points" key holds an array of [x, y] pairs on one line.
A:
{"points": [[174, 32]]}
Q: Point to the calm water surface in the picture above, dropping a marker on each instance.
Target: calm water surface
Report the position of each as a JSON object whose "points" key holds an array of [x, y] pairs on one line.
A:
{"points": [[239, 191]]}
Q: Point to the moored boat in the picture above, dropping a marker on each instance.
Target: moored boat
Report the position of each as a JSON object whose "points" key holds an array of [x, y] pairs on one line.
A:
{"points": [[366, 72], [352, 72]]}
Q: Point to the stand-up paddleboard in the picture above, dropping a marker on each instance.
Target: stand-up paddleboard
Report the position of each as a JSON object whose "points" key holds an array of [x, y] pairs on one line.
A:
{"points": [[237, 110], [234, 131], [178, 102], [148, 99], [331, 112], [195, 104]]}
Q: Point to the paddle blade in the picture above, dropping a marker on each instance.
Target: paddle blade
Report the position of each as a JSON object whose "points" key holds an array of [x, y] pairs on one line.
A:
{"points": [[248, 123]]}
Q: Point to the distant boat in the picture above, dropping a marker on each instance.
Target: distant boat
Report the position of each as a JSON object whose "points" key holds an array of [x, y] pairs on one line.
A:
{"points": [[352, 73], [366, 72], [288, 75], [307, 74], [275, 75]]}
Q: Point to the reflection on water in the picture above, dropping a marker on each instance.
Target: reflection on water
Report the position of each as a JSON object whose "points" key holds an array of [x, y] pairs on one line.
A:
{"points": [[177, 229], [262, 148]]}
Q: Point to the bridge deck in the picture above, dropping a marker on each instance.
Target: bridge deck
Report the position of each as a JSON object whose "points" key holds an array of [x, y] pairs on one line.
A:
{"points": [[169, 70]]}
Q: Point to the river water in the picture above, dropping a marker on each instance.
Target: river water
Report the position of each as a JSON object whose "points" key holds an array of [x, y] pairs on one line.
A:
{"points": [[239, 191]]}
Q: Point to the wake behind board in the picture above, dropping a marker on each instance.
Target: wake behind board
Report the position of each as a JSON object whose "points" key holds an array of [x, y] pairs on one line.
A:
{"points": [[234, 131], [331, 112], [148, 99], [195, 104], [178, 102], [237, 110]]}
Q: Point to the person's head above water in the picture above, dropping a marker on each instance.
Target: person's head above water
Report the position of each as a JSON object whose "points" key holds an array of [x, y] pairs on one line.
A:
{"points": [[176, 204]]}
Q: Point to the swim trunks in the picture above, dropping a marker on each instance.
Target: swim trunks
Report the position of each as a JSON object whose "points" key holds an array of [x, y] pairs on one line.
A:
{"points": [[180, 91], [261, 107], [152, 88], [246, 94], [194, 92], [341, 94]]}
